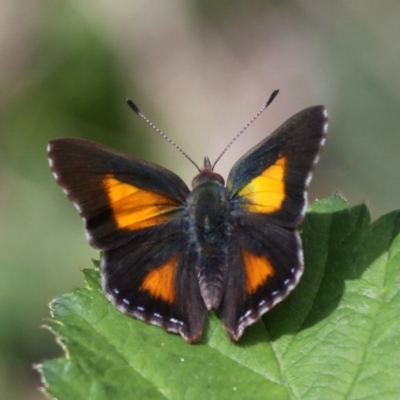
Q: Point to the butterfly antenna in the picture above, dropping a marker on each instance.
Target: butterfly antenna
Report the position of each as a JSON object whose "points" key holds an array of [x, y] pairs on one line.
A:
{"points": [[137, 111], [270, 100]]}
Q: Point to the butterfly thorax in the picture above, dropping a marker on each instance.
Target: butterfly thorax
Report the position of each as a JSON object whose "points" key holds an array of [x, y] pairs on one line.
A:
{"points": [[208, 206]]}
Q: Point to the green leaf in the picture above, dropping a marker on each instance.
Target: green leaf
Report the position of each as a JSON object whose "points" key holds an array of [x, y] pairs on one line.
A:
{"points": [[336, 336]]}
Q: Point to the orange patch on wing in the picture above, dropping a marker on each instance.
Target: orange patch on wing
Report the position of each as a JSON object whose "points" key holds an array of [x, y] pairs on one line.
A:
{"points": [[258, 270], [134, 208], [266, 192], [159, 282]]}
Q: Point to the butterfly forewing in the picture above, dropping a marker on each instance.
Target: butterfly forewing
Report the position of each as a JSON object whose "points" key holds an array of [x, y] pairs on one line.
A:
{"points": [[115, 194], [272, 179]]}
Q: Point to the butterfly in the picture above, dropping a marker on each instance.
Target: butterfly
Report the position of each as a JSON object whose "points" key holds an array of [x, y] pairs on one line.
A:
{"points": [[171, 254]]}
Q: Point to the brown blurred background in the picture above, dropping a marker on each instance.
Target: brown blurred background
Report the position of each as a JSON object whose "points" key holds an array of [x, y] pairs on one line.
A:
{"points": [[200, 70]]}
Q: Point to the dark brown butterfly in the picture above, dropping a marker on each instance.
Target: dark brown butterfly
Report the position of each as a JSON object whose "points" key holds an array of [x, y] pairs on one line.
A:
{"points": [[170, 254]]}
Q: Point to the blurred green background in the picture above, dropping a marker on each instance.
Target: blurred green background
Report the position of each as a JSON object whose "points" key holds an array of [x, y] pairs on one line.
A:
{"points": [[200, 70]]}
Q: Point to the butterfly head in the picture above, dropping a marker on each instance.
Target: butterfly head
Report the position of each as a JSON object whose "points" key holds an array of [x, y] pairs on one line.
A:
{"points": [[207, 175]]}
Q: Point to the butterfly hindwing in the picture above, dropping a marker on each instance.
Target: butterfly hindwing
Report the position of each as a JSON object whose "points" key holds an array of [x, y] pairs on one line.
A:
{"points": [[150, 278], [268, 263]]}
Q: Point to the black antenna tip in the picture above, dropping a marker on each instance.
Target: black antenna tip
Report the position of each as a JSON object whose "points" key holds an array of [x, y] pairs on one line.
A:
{"points": [[272, 97], [132, 105]]}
